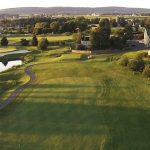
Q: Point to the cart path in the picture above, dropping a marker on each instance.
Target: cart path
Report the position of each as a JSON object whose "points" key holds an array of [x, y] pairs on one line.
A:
{"points": [[15, 93]]}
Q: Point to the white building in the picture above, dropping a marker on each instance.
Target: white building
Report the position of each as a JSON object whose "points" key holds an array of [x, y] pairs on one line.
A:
{"points": [[95, 15], [147, 37], [85, 40]]}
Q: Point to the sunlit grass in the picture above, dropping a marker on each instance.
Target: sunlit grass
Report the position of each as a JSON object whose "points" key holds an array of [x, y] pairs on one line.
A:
{"points": [[80, 105]]}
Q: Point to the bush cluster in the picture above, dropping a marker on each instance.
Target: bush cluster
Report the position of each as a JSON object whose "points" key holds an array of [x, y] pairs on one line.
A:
{"points": [[137, 64], [24, 42], [4, 41], [43, 44], [124, 61], [146, 71]]}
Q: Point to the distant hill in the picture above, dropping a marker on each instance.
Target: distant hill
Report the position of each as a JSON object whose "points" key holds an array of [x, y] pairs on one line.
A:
{"points": [[73, 10]]}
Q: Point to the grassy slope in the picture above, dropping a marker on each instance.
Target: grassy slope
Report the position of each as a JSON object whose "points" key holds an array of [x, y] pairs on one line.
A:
{"points": [[10, 80], [134, 54], [79, 105]]}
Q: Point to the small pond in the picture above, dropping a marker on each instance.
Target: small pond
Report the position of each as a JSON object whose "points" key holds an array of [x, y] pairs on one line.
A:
{"points": [[15, 52], [9, 65]]}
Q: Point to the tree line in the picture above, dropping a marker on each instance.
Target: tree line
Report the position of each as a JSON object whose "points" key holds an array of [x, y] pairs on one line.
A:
{"points": [[42, 44], [43, 25], [102, 37]]}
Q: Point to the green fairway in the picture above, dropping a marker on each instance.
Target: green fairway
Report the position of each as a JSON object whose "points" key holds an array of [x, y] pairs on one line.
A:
{"points": [[7, 49], [15, 40], [78, 105]]}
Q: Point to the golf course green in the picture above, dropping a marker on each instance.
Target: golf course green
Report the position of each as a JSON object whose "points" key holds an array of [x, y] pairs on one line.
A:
{"points": [[76, 104]]}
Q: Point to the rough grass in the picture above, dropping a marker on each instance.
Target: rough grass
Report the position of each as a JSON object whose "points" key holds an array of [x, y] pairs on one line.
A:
{"points": [[9, 81], [79, 105]]}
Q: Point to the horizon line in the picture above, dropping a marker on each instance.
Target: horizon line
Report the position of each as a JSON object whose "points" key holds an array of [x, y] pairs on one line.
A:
{"points": [[71, 7]]}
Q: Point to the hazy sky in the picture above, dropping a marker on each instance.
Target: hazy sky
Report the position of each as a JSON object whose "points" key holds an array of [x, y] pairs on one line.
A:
{"points": [[81, 3]]}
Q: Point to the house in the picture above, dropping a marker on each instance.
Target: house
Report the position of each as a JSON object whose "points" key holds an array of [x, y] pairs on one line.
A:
{"points": [[135, 44], [147, 37], [85, 41]]}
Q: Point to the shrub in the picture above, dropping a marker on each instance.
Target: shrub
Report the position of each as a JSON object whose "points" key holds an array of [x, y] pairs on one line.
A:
{"points": [[84, 57], [24, 42], [28, 58], [43, 44], [124, 61], [4, 41], [136, 65], [34, 41], [146, 71]]}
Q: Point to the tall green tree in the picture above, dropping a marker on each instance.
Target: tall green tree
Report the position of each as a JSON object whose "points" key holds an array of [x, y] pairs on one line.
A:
{"points": [[113, 23], [128, 32], [43, 44], [121, 22], [4, 41], [34, 41], [55, 26], [100, 39], [101, 36], [83, 25], [116, 42], [104, 23]]}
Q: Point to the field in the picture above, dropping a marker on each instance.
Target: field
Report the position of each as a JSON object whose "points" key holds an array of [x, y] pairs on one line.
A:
{"points": [[50, 38], [77, 105]]}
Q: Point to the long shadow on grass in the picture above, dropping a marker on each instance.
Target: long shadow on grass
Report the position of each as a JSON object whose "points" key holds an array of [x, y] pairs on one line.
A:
{"points": [[125, 127], [10, 76]]}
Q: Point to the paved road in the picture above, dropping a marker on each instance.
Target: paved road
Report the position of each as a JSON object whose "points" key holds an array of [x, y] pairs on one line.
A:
{"points": [[19, 89]]}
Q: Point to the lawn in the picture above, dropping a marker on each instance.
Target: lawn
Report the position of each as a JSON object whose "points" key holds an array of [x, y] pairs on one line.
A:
{"points": [[78, 105], [53, 38], [7, 49], [14, 42]]}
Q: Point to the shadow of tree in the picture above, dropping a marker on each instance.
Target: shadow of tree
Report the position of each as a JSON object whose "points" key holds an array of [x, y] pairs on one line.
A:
{"points": [[127, 128]]}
